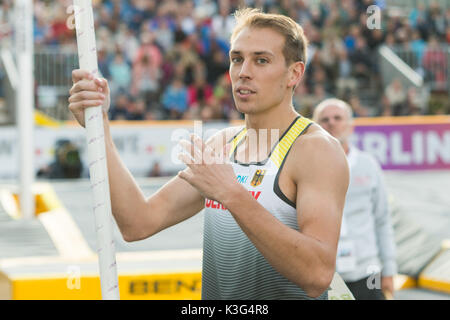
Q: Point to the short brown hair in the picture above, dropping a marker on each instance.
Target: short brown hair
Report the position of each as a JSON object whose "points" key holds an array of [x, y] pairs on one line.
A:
{"points": [[295, 46]]}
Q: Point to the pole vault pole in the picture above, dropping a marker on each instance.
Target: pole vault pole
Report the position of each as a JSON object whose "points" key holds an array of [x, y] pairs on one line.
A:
{"points": [[87, 56], [25, 103]]}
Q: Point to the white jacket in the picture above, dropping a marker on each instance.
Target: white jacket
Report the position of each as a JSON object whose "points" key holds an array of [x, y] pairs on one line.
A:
{"points": [[366, 223]]}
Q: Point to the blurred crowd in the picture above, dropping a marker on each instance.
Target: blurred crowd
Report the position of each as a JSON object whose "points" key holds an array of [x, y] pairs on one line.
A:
{"points": [[169, 59]]}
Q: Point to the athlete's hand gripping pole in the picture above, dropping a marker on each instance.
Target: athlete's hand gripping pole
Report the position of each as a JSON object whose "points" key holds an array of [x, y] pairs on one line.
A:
{"points": [[87, 55]]}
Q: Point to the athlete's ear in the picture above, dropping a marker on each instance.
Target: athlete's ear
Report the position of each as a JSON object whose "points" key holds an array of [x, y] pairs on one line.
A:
{"points": [[297, 69]]}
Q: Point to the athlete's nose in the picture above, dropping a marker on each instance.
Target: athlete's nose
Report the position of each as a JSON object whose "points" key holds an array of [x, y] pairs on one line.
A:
{"points": [[245, 71]]}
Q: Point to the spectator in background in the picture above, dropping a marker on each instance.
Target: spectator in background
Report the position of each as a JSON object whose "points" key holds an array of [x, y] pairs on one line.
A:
{"points": [[136, 109], [435, 63], [164, 35], [390, 40], [40, 30], [137, 12], [211, 110], [175, 98], [320, 79], [120, 73], [119, 107], [447, 16], [104, 42], [59, 33], [177, 35], [67, 163], [146, 76], [189, 58], [127, 41], [395, 98], [149, 49], [418, 46], [223, 95], [413, 102], [216, 63], [103, 61], [358, 109], [417, 15], [223, 23], [447, 33], [360, 58], [436, 19], [350, 38], [186, 16], [303, 101], [331, 47], [345, 82], [366, 245], [200, 91], [155, 171]]}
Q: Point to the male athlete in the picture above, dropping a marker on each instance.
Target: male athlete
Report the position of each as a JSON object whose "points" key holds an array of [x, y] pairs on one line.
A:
{"points": [[273, 233]]}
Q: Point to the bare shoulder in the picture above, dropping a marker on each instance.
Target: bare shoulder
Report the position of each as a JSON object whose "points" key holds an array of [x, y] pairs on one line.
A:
{"points": [[316, 139], [316, 152]]}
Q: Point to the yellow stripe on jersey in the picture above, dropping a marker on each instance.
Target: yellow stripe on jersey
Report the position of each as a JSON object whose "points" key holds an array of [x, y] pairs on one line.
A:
{"points": [[237, 139], [282, 148]]}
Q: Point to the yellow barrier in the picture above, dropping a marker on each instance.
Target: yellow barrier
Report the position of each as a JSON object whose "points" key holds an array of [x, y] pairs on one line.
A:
{"points": [[42, 119], [142, 286]]}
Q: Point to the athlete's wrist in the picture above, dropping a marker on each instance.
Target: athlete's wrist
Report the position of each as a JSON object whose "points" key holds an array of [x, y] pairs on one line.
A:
{"points": [[233, 196]]}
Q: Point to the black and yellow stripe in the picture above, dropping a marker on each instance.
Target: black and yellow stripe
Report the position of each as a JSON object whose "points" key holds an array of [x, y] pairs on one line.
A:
{"points": [[281, 149]]}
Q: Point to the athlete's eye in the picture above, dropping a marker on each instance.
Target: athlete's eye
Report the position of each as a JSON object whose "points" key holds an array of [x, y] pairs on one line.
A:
{"points": [[262, 61], [236, 59]]}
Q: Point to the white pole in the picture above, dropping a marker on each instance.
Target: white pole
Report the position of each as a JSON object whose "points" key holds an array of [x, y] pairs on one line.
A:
{"points": [[25, 103], [87, 55]]}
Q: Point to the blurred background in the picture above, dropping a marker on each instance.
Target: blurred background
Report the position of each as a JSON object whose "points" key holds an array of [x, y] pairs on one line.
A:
{"points": [[167, 65], [169, 59]]}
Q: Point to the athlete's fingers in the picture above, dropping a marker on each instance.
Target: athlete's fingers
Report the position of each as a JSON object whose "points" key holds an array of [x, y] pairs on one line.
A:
{"points": [[187, 160], [194, 152], [79, 74], [102, 84], [208, 153], [81, 105], [210, 156], [185, 176], [86, 95], [83, 85], [197, 141]]}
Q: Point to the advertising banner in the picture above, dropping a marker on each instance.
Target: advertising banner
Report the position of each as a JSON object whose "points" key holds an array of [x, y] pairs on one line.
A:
{"points": [[406, 144], [149, 148]]}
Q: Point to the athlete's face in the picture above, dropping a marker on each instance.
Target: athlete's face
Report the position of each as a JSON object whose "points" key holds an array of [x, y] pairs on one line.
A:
{"points": [[259, 75], [335, 119]]}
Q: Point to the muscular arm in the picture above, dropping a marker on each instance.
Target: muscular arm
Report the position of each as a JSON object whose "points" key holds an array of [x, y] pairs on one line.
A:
{"points": [[136, 216], [139, 217], [308, 257]]}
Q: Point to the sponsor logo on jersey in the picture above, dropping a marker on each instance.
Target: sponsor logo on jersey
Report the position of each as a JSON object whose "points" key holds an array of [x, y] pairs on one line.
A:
{"points": [[217, 205], [242, 179], [258, 177]]}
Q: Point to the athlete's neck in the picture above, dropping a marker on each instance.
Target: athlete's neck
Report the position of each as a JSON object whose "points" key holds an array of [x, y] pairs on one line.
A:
{"points": [[272, 122], [276, 118]]}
